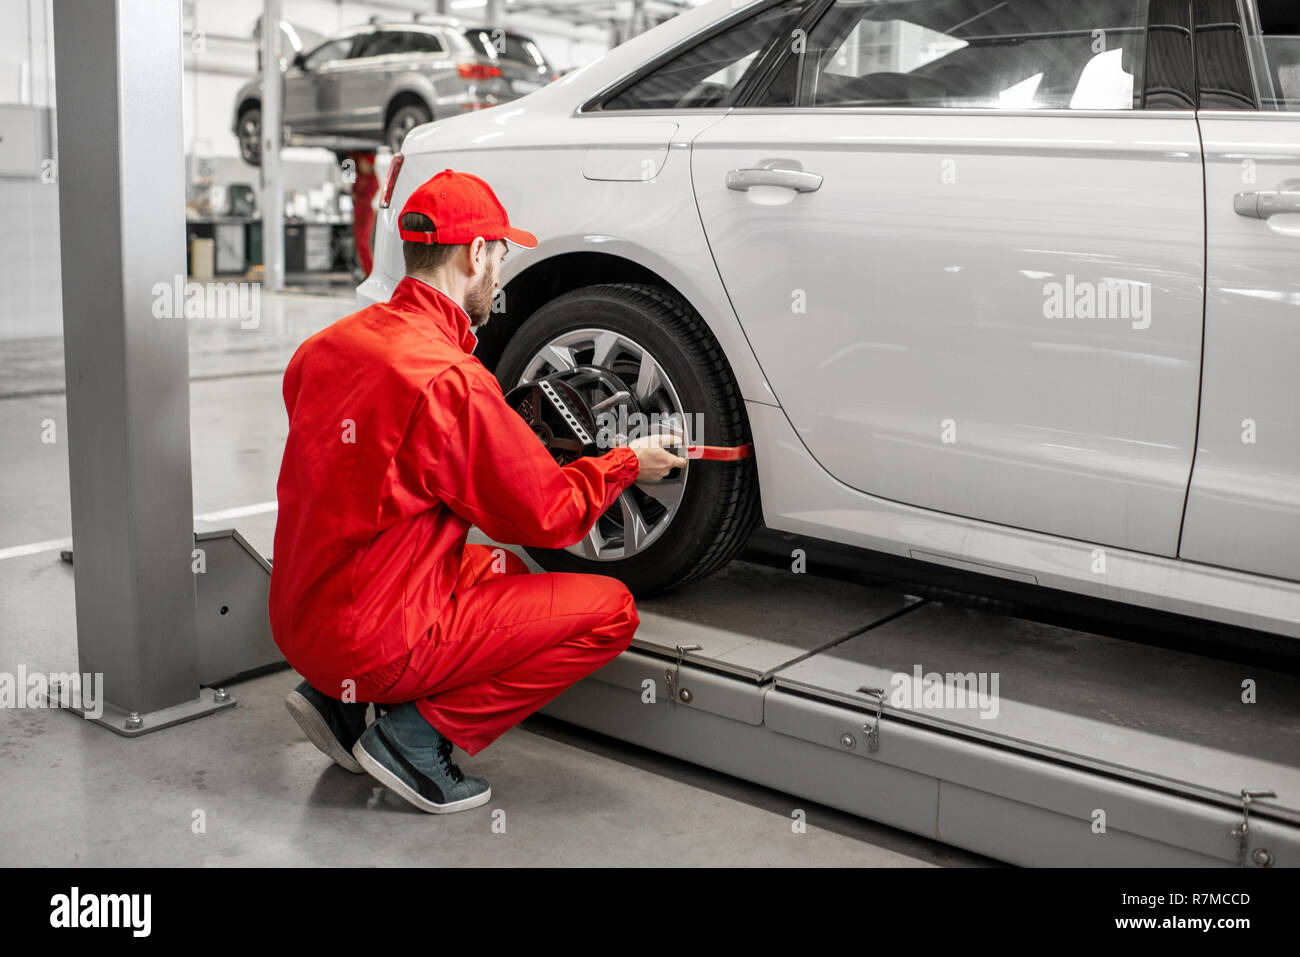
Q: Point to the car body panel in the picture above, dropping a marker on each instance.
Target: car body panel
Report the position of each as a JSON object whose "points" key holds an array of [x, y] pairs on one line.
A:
{"points": [[631, 148], [916, 314], [1243, 508]]}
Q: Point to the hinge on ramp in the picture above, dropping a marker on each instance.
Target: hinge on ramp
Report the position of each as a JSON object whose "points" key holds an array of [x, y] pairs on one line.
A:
{"points": [[673, 675], [1262, 856], [873, 728]]}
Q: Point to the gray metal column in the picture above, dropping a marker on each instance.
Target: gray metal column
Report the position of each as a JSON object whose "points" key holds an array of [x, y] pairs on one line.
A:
{"points": [[272, 139], [495, 14], [122, 235]]}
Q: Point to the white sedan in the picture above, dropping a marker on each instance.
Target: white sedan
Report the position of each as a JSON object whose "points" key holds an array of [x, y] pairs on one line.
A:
{"points": [[1007, 286]]}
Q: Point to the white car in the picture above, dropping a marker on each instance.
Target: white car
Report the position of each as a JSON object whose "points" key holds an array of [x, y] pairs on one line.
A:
{"points": [[991, 284]]}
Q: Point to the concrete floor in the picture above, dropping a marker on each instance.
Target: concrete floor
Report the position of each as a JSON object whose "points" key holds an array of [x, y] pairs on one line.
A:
{"points": [[74, 793]]}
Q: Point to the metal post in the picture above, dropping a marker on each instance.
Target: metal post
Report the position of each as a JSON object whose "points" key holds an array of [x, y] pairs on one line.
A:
{"points": [[122, 228], [495, 17], [272, 138]]}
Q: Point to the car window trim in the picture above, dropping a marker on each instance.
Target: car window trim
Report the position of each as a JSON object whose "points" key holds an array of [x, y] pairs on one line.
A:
{"points": [[1063, 112], [775, 57], [1252, 40], [596, 102]]}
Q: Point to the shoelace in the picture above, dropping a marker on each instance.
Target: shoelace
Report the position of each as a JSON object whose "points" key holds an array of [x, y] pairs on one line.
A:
{"points": [[444, 757]]}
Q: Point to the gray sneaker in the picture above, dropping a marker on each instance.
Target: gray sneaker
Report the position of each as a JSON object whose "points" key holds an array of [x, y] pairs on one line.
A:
{"points": [[330, 724], [412, 759]]}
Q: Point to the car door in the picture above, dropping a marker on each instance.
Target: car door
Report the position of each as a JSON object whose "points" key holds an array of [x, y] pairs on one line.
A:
{"points": [[364, 78], [964, 238], [310, 96], [1243, 508]]}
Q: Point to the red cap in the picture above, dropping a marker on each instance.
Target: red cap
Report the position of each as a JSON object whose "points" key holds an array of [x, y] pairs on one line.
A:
{"points": [[462, 207]]}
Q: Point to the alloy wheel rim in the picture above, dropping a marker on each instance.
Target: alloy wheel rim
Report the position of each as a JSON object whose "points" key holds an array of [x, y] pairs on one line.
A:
{"points": [[405, 123], [642, 513], [250, 135]]}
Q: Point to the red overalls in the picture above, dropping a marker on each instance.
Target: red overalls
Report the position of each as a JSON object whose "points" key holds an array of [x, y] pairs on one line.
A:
{"points": [[364, 188], [399, 440]]}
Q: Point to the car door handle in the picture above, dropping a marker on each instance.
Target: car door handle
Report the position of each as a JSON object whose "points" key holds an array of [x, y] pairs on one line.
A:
{"points": [[795, 179], [1268, 202]]}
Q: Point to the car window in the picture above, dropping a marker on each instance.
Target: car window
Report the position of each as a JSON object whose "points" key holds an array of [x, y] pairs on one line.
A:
{"points": [[524, 50], [423, 43], [988, 54], [330, 50], [482, 43], [1280, 24], [380, 43], [708, 73]]}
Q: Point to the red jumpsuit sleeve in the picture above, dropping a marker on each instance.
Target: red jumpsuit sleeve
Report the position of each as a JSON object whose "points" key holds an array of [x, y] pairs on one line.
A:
{"points": [[490, 469]]}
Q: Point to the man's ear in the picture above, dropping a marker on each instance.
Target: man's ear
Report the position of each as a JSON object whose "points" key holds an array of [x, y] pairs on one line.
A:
{"points": [[477, 256]]}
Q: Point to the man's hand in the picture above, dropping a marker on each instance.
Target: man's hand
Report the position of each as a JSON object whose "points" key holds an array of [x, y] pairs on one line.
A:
{"points": [[656, 461]]}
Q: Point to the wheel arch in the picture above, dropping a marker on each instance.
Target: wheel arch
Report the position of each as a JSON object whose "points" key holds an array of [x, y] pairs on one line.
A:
{"points": [[245, 101], [546, 279]]}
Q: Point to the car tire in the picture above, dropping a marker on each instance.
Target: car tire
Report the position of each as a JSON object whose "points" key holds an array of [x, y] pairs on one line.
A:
{"points": [[403, 121], [249, 134], [719, 504]]}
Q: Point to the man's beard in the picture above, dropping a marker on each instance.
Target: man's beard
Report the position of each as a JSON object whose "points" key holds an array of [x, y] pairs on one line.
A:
{"points": [[478, 300]]}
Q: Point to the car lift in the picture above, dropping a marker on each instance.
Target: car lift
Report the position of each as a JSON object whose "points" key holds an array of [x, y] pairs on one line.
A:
{"points": [[1098, 751], [1028, 742]]}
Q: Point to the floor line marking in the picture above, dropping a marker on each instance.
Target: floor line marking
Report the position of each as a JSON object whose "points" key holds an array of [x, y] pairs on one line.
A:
{"points": [[242, 511], [35, 548], [58, 544]]}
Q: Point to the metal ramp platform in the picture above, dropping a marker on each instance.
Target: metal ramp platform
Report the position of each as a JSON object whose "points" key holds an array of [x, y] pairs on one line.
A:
{"points": [[1089, 750]]}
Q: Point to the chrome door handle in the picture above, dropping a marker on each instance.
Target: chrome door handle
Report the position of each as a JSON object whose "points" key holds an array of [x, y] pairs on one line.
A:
{"points": [[795, 179], [1268, 202]]}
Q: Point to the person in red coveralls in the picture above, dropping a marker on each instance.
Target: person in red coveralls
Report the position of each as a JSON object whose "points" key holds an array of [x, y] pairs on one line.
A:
{"points": [[400, 440], [364, 188]]}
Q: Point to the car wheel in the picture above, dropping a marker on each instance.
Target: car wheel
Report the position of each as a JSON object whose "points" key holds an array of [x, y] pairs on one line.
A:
{"points": [[664, 534], [250, 136], [404, 120]]}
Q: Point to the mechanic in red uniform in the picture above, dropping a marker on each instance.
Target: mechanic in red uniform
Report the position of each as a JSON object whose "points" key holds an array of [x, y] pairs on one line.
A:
{"points": [[400, 440], [364, 188]]}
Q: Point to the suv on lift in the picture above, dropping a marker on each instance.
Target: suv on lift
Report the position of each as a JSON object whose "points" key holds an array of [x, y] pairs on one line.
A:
{"points": [[377, 82]]}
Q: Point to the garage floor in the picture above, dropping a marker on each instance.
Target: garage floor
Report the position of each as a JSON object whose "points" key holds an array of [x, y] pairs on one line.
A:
{"points": [[78, 794]]}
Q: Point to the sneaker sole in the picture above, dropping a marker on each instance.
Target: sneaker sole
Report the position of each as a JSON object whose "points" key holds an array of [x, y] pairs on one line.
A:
{"points": [[403, 790], [319, 733]]}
